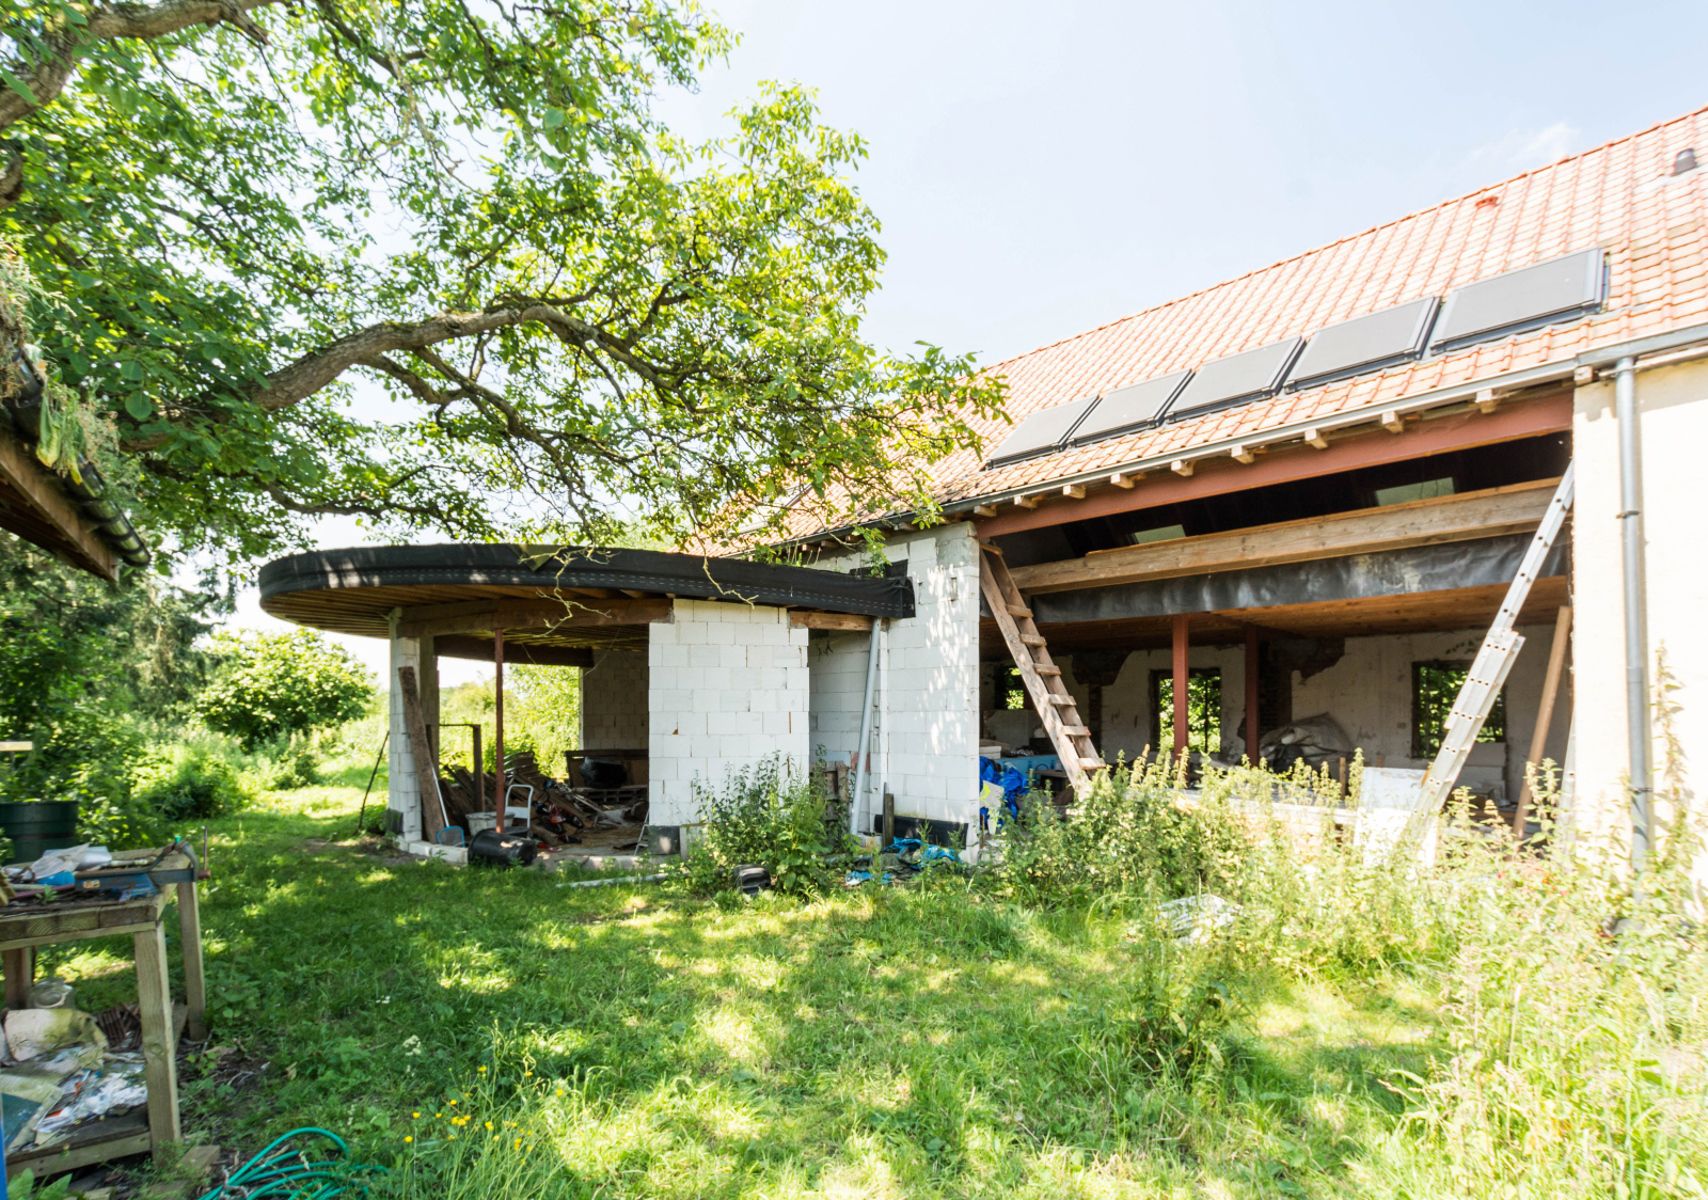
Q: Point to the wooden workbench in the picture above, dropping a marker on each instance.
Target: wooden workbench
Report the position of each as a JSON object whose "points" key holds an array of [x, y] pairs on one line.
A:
{"points": [[23, 927]]}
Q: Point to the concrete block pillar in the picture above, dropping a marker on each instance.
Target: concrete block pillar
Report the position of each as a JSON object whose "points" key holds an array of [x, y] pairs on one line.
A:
{"points": [[403, 797]]}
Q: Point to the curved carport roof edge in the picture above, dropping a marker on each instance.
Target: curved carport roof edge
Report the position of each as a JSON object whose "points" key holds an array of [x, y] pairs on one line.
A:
{"points": [[391, 572]]}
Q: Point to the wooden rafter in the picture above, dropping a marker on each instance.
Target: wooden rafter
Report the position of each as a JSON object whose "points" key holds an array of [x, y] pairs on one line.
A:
{"points": [[1490, 513], [45, 515]]}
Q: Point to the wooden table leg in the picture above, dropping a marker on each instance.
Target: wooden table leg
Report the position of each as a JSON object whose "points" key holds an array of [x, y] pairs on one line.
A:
{"points": [[195, 981], [159, 1048], [20, 968]]}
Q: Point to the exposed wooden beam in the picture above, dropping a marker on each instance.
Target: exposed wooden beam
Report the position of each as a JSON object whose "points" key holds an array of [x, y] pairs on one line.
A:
{"points": [[984, 510], [1513, 509], [1243, 454], [481, 649], [1073, 491], [827, 620], [1487, 400], [1125, 479], [1583, 376], [1393, 422], [477, 617], [1183, 467], [1315, 440], [1543, 414], [1026, 501], [75, 538]]}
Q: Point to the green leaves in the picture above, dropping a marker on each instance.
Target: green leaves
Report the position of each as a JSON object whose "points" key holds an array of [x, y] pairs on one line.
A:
{"points": [[566, 320]]}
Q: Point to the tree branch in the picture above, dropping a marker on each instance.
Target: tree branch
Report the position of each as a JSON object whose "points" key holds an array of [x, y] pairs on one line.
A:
{"points": [[45, 76]]}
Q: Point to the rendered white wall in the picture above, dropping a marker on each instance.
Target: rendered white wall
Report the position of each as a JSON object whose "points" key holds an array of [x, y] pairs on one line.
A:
{"points": [[925, 711], [1673, 403], [614, 700], [729, 687]]}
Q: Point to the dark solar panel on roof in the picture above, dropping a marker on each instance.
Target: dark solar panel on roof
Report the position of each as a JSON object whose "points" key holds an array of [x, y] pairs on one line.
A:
{"points": [[1042, 432], [1129, 408], [1364, 344], [1550, 291], [1244, 376]]}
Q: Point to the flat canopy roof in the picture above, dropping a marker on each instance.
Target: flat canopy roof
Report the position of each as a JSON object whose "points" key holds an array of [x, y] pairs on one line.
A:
{"points": [[553, 602]]}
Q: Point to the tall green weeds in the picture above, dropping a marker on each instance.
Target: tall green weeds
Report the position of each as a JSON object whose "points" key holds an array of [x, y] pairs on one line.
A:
{"points": [[768, 817]]}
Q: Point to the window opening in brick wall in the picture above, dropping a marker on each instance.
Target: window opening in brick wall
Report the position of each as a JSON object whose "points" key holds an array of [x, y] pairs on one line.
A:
{"points": [[1203, 709], [1435, 686]]}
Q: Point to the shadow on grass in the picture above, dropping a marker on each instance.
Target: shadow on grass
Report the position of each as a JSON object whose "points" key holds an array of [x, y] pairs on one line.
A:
{"points": [[892, 1042]]}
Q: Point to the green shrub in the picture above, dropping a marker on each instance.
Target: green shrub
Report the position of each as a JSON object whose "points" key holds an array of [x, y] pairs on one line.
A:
{"points": [[767, 817], [269, 686], [189, 781], [284, 763]]}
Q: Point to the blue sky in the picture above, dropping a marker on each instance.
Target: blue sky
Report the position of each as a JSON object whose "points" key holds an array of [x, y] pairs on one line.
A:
{"points": [[1041, 169]]}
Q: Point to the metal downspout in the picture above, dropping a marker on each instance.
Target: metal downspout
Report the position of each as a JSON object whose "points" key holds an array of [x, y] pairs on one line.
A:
{"points": [[856, 796], [1636, 609]]}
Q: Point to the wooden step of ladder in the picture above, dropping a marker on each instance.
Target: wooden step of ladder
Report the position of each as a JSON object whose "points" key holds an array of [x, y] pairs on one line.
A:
{"points": [[1494, 659], [1057, 710]]}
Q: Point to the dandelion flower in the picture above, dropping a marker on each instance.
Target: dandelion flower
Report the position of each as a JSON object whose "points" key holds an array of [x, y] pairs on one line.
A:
{"points": [[482, 1070], [407, 1140], [415, 1116]]}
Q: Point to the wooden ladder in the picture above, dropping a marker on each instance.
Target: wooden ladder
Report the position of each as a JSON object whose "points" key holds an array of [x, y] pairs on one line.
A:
{"points": [[1494, 660], [1056, 708]]}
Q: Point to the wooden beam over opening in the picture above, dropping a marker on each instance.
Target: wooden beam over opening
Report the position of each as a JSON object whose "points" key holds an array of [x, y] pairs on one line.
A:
{"points": [[1515, 508], [847, 622], [484, 616]]}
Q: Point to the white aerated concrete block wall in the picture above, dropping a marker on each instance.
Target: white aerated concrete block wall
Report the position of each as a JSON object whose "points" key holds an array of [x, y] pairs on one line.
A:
{"points": [[838, 685], [614, 700], [926, 707], [729, 687]]}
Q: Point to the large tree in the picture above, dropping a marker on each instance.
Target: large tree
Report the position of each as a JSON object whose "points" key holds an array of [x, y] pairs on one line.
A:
{"points": [[237, 208]]}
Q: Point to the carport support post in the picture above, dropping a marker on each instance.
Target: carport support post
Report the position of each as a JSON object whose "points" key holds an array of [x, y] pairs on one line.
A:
{"points": [[1182, 686], [498, 726], [1252, 732]]}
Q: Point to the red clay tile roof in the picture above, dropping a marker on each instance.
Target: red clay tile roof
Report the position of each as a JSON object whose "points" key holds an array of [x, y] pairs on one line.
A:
{"points": [[1619, 196]]}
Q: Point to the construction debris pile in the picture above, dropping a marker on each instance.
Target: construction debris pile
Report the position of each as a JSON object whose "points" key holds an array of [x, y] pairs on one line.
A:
{"points": [[556, 812]]}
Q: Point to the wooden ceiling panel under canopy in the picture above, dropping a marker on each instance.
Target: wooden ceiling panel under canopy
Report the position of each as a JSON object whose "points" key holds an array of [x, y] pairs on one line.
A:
{"points": [[554, 604]]}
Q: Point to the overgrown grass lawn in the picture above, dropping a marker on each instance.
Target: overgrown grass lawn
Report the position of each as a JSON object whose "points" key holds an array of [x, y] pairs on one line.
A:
{"points": [[632, 1041]]}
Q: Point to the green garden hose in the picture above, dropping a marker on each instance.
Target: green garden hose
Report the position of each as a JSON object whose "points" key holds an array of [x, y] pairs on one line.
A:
{"points": [[285, 1170]]}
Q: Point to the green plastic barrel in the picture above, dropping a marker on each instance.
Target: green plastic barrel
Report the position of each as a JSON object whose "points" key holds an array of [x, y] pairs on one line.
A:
{"points": [[37, 826]]}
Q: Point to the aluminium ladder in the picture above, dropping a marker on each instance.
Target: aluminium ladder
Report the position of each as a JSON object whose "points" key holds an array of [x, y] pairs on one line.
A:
{"points": [[1056, 708], [1494, 660]]}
